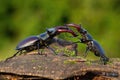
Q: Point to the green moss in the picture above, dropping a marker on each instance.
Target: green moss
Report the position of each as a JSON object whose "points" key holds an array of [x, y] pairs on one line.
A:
{"points": [[33, 61], [69, 62], [66, 51], [88, 62]]}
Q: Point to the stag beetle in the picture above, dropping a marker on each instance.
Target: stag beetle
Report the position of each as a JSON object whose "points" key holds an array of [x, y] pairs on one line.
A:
{"points": [[92, 45], [41, 41]]}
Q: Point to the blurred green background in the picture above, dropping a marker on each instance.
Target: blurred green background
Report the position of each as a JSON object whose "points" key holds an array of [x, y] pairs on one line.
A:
{"points": [[22, 18]]}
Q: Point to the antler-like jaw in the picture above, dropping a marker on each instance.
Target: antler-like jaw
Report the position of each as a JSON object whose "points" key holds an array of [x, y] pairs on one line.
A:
{"points": [[78, 27], [64, 29], [60, 29], [67, 31]]}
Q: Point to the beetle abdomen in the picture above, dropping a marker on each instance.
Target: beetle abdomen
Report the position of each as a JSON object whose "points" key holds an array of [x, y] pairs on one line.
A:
{"points": [[100, 51], [27, 42]]}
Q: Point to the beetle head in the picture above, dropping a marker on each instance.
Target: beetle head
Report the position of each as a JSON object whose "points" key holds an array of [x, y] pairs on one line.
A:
{"points": [[83, 31], [51, 31]]}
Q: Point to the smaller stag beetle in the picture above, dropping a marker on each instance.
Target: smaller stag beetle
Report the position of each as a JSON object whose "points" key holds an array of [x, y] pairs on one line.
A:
{"points": [[41, 41], [92, 45]]}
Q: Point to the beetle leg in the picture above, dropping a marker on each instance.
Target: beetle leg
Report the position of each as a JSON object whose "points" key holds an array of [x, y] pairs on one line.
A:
{"points": [[104, 60], [86, 52], [51, 49], [20, 52], [13, 55], [75, 48], [38, 46]]}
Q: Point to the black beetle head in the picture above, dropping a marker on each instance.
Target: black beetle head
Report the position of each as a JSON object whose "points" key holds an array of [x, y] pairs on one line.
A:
{"points": [[51, 31], [82, 30]]}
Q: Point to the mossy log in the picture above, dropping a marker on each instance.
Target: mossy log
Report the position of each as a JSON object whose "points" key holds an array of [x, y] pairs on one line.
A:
{"points": [[58, 68]]}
